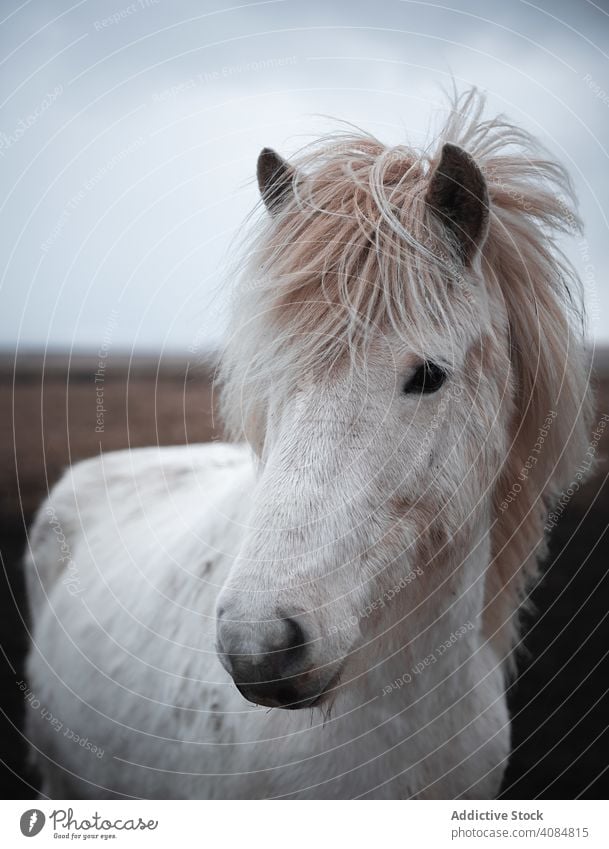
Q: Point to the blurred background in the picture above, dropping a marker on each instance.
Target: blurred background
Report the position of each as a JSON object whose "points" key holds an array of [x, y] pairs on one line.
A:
{"points": [[128, 139]]}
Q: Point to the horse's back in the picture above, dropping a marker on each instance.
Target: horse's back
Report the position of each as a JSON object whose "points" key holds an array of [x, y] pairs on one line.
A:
{"points": [[124, 562], [105, 492]]}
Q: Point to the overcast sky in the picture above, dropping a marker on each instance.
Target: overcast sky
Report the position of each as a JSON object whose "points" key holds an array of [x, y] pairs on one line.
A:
{"points": [[129, 135]]}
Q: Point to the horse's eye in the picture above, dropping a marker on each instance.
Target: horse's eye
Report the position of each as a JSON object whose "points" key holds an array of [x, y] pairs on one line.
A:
{"points": [[427, 378]]}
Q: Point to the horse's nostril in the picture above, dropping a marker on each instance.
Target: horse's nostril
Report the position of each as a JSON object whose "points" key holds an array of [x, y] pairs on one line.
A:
{"points": [[296, 636]]}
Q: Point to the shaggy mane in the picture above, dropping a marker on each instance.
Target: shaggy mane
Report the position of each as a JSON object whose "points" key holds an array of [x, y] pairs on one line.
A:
{"points": [[356, 248]]}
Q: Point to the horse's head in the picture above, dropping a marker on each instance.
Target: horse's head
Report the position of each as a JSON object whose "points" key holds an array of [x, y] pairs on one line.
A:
{"points": [[370, 368]]}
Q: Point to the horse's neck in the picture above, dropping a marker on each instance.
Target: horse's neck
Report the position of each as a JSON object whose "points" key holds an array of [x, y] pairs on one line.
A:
{"points": [[433, 692]]}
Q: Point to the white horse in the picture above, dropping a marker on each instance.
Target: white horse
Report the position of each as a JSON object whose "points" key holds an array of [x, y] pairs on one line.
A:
{"points": [[405, 370]]}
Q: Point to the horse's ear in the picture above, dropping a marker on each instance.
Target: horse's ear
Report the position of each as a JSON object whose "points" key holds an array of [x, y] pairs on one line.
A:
{"points": [[457, 194], [275, 178]]}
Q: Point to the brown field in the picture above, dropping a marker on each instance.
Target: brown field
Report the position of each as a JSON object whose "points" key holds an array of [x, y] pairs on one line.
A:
{"points": [[53, 417], [559, 702]]}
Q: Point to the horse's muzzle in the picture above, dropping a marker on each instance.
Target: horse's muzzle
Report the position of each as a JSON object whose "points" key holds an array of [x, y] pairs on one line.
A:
{"points": [[270, 662]]}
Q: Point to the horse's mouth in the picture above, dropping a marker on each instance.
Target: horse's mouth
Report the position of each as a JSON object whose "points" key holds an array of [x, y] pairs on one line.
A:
{"points": [[288, 697]]}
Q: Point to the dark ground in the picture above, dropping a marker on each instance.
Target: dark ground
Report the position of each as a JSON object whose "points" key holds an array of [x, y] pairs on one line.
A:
{"points": [[559, 701]]}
